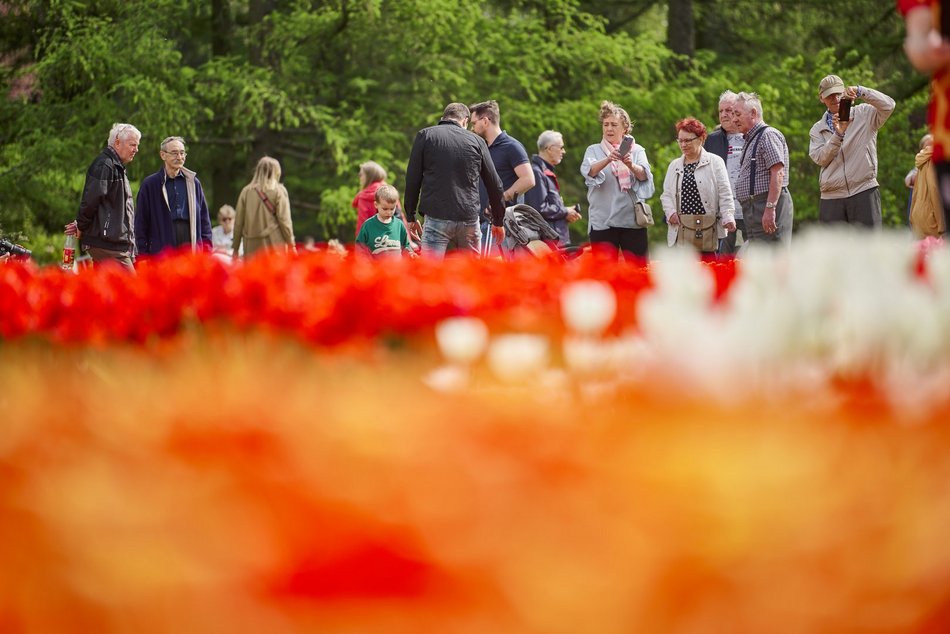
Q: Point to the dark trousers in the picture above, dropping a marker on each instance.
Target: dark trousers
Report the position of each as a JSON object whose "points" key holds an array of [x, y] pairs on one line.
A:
{"points": [[860, 209], [727, 245], [754, 208], [943, 183], [182, 233], [122, 258], [630, 241]]}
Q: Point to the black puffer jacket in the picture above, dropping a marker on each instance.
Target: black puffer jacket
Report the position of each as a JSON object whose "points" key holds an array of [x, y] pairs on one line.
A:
{"points": [[105, 215]]}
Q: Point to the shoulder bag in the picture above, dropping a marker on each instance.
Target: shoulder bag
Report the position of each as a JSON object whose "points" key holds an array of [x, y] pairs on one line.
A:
{"points": [[266, 201], [697, 230]]}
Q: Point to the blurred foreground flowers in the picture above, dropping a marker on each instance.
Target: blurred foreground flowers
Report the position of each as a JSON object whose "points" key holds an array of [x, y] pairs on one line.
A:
{"points": [[729, 452]]}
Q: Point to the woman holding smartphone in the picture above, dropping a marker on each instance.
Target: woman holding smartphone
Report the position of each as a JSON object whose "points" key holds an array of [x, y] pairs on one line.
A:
{"points": [[617, 174]]}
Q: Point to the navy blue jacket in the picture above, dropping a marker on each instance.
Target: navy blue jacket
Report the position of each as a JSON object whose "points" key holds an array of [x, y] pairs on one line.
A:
{"points": [[154, 231], [718, 143], [545, 197]]}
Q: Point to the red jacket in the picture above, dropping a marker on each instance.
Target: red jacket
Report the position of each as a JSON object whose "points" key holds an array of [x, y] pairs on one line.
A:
{"points": [[364, 203]]}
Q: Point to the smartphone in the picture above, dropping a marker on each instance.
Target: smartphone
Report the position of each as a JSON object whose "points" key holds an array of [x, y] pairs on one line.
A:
{"points": [[844, 110], [625, 145]]}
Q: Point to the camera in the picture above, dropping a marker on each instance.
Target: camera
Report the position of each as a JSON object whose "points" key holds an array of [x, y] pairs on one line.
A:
{"points": [[15, 250], [844, 109]]}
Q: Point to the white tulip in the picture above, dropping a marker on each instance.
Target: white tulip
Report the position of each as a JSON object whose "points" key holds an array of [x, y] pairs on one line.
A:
{"points": [[518, 358], [588, 306], [461, 339]]}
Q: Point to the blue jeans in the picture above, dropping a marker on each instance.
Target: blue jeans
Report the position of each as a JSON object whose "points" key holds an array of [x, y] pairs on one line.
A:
{"points": [[438, 236]]}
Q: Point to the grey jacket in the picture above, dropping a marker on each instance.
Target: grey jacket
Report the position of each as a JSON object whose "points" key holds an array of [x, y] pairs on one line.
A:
{"points": [[609, 206], [849, 164]]}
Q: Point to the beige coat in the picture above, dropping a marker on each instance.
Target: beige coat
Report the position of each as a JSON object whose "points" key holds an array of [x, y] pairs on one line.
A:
{"points": [[926, 209], [257, 227], [849, 164]]}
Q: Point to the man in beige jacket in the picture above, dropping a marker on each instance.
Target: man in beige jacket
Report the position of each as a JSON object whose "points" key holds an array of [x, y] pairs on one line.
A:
{"points": [[846, 151]]}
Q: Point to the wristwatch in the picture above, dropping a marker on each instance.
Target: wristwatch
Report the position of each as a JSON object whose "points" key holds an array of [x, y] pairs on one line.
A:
{"points": [[769, 205]]}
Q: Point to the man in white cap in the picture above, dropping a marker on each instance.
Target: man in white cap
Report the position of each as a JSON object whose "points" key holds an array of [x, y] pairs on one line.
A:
{"points": [[846, 151]]}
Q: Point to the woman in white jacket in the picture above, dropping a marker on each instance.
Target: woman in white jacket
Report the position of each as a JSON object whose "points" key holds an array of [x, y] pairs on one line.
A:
{"points": [[697, 196]]}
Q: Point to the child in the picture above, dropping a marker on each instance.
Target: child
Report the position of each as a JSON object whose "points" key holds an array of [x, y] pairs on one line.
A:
{"points": [[379, 233]]}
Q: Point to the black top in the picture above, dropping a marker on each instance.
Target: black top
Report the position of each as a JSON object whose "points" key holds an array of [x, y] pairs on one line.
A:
{"points": [[105, 212], [718, 143], [445, 166], [691, 202]]}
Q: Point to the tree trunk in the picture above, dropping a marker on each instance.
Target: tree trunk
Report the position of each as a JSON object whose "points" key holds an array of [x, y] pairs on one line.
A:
{"points": [[681, 28], [224, 166], [222, 27]]}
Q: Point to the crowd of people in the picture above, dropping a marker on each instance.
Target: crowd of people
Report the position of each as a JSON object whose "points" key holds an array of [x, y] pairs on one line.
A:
{"points": [[731, 182], [469, 180]]}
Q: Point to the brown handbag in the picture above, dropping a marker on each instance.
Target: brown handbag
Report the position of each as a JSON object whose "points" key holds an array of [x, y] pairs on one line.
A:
{"points": [[700, 231]]}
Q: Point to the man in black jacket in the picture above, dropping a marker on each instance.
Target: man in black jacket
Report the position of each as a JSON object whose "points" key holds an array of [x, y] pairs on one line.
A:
{"points": [[445, 166], [105, 222]]}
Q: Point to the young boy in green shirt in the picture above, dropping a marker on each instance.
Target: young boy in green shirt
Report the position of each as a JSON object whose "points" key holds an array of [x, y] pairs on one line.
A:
{"points": [[380, 234]]}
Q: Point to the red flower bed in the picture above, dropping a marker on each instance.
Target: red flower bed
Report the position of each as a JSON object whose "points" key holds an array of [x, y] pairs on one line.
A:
{"points": [[317, 297]]}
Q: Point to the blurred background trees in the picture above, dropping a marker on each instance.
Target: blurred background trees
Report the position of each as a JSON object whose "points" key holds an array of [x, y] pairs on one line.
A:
{"points": [[324, 86]]}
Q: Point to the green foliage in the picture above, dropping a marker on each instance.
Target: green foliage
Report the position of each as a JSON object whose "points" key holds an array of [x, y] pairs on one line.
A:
{"points": [[324, 86], [47, 248]]}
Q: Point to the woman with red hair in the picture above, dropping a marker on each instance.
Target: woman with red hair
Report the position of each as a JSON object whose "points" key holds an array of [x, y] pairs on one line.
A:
{"points": [[697, 195]]}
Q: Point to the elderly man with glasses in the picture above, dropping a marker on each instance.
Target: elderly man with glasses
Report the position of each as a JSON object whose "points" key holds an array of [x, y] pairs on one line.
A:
{"points": [[171, 210], [105, 222]]}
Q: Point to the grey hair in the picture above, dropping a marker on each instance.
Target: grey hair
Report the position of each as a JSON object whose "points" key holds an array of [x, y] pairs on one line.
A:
{"points": [[123, 131], [549, 138], [727, 95], [164, 146], [751, 101]]}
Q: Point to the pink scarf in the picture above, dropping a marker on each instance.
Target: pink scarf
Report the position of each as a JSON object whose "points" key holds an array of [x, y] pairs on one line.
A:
{"points": [[621, 172]]}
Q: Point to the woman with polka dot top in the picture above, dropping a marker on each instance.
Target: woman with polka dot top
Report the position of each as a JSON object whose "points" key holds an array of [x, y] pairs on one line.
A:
{"points": [[697, 187]]}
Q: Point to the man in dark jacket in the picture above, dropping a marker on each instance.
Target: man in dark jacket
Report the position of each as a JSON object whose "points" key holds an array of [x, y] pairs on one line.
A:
{"points": [[545, 196], [171, 210], [105, 223], [445, 166]]}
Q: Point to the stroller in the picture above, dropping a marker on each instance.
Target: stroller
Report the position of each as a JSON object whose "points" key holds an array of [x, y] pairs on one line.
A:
{"points": [[526, 231]]}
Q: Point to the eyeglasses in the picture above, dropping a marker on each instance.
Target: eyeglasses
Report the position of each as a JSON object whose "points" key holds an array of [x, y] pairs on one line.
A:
{"points": [[175, 152], [682, 141]]}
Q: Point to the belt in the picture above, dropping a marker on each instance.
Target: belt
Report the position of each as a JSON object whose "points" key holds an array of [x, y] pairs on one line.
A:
{"points": [[761, 196]]}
